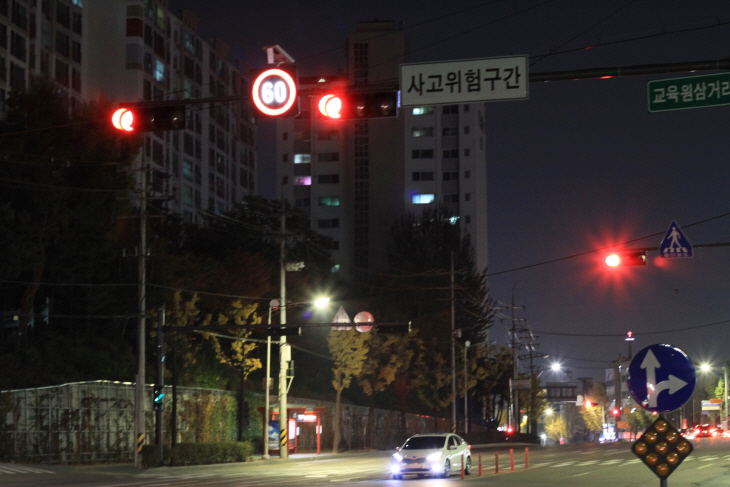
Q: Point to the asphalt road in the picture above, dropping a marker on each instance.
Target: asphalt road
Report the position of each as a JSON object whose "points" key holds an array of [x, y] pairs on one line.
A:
{"points": [[577, 465]]}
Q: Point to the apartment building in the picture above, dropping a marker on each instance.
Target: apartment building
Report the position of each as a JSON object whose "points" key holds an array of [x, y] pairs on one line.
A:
{"points": [[138, 50], [355, 178]]}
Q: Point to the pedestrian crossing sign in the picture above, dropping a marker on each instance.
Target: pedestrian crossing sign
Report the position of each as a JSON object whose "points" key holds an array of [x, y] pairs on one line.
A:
{"points": [[675, 244]]}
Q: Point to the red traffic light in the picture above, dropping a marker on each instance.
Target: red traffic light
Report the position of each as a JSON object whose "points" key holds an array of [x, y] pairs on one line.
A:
{"points": [[150, 117], [359, 105], [330, 106], [616, 412], [624, 258], [123, 119]]}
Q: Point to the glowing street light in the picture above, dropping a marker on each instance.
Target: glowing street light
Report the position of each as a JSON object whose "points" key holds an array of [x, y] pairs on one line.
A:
{"points": [[321, 302]]}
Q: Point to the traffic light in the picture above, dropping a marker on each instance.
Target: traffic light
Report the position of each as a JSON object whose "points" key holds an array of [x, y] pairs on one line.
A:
{"points": [[157, 397], [616, 412], [359, 105], [626, 257], [149, 118], [662, 448]]}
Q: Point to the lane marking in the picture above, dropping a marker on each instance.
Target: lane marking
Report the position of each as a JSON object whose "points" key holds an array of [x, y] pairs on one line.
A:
{"points": [[707, 459], [635, 460], [584, 473], [611, 462], [565, 464], [705, 466], [586, 463]]}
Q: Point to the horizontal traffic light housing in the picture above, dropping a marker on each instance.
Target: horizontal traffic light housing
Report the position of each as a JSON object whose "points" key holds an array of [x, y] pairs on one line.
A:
{"points": [[626, 257], [149, 118], [276, 332], [363, 105]]}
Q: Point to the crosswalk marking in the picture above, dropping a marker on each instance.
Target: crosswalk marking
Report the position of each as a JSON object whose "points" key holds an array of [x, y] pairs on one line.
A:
{"points": [[564, 464], [9, 469], [707, 459], [586, 463], [610, 462]]}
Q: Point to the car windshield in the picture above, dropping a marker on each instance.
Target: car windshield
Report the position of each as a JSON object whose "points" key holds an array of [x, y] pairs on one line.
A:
{"points": [[425, 443]]}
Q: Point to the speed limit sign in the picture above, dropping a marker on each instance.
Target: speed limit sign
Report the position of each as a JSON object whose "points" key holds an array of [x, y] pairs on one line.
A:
{"points": [[274, 92]]}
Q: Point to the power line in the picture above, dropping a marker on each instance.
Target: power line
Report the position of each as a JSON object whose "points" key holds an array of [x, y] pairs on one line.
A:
{"points": [[648, 333], [600, 249]]}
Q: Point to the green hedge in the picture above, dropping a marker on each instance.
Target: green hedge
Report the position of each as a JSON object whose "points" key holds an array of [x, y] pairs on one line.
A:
{"points": [[198, 454], [207, 453]]}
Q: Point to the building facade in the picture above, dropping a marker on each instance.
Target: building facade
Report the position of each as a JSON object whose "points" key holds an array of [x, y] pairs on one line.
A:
{"points": [[355, 178], [138, 50]]}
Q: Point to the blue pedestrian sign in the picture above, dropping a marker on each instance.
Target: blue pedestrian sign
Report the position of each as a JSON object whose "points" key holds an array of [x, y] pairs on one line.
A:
{"points": [[675, 244], [661, 378]]}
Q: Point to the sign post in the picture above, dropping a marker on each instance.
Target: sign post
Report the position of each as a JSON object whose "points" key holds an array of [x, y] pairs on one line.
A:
{"points": [[675, 244], [661, 379], [464, 81], [709, 90]]}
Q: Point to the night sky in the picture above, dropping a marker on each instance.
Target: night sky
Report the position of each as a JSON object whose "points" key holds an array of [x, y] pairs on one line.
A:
{"points": [[579, 166]]}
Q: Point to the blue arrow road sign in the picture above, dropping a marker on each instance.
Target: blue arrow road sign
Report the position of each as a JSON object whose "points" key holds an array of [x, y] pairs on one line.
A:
{"points": [[661, 378], [675, 244]]}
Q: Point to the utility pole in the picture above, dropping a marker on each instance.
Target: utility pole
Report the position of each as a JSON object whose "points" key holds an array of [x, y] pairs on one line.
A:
{"points": [[160, 380], [453, 351], [142, 311], [284, 349], [514, 407]]}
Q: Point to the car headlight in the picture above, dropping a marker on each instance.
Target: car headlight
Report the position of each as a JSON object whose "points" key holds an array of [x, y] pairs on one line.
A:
{"points": [[434, 457], [398, 457]]}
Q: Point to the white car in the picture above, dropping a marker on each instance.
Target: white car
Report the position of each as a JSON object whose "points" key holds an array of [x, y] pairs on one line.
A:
{"points": [[437, 455]]}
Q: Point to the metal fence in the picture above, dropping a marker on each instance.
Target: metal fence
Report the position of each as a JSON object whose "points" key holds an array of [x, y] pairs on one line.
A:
{"points": [[89, 421]]}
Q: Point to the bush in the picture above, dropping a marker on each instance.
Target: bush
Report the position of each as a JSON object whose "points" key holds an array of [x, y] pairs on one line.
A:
{"points": [[150, 456], [207, 453]]}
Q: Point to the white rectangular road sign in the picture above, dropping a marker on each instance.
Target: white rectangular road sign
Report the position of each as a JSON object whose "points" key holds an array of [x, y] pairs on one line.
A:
{"points": [[465, 81]]}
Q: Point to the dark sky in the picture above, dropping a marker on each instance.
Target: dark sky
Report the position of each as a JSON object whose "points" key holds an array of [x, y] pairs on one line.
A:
{"points": [[579, 166]]}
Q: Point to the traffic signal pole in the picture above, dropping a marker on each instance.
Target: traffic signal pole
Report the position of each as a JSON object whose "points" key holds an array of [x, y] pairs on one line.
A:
{"points": [[160, 380], [284, 353], [142, 310]]}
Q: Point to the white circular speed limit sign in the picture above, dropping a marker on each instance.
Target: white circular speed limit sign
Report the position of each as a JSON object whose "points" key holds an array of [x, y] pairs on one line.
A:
{"points": [[274, 92]]}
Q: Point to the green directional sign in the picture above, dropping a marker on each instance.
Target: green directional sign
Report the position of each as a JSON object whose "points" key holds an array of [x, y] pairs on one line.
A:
{"points": [[708, 90]]}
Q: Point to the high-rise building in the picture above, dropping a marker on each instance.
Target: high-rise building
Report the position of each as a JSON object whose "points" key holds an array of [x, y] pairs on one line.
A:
{"points": [[355, 178], [137, 50]]}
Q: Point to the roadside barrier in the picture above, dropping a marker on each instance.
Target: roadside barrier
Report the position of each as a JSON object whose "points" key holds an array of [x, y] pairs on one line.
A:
{"points": [[462, 466], [496, 462], [511, 460], [480, 464], [527, 457]]}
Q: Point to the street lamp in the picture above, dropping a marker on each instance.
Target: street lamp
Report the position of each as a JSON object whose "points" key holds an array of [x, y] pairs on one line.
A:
{"points": [[705, 367]]}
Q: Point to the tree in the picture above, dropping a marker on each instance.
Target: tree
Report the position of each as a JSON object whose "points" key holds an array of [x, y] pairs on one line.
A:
{"points": [[381, 364], [420, 258], [593, 417], [556, 427], [237, 354], [349, 349]]}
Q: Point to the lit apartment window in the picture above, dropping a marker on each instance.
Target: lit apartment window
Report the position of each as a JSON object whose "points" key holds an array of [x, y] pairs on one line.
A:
{"points": [[423, 131], [303, 180], [302, 158], [329, 201], [422, 110], [422, 199]]}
